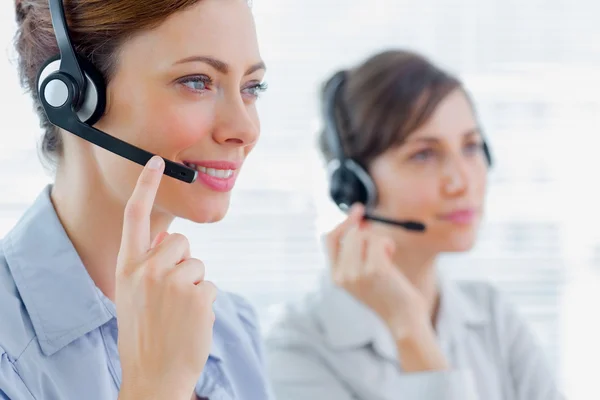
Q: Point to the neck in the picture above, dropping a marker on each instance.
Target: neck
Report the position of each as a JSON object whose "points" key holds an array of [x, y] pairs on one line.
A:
{"points": [[92, 216], [420, 270]]}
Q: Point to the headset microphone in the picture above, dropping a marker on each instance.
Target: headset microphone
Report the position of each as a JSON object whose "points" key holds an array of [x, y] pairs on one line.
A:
{"points": [[73, 94], [409, 225]]}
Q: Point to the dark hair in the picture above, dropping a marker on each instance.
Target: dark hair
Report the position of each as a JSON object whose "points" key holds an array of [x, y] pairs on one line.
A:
{"points": [[97, 29], [383, 101]]}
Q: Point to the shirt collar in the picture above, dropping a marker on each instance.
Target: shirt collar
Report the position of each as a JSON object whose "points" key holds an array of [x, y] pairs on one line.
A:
{"points": [[457, 309], [348, 324], [59, 295]]}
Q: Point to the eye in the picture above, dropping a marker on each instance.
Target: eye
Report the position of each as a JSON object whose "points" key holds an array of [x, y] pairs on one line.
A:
{"points": [[255, 89], [474, 147], [423, 155], [196, 83]]}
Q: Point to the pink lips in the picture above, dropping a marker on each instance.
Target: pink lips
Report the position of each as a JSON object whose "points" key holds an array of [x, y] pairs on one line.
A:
{"points": [[462, 217], [218, 183]]}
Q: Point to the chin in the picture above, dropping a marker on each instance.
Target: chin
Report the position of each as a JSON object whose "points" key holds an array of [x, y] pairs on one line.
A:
{"points": [[459, 243], [205, 211]]}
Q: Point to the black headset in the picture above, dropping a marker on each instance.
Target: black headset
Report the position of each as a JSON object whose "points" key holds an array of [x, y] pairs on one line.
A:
{"points": [[349, 182], [73, 94]]}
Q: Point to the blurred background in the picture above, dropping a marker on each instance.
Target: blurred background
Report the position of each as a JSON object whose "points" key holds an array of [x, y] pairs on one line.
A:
{"points": [[533, 67]]}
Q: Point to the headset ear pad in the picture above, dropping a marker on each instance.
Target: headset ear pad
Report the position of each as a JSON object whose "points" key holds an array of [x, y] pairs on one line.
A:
{"points": [[93, 104], [346, 188]]}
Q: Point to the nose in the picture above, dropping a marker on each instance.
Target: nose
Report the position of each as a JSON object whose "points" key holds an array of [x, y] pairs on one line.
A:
{"points": [[456, 176], [237, 122]]}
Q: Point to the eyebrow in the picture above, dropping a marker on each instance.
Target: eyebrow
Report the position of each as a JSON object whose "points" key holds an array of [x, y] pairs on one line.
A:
{"points": [[221, 66], [433, 139]]}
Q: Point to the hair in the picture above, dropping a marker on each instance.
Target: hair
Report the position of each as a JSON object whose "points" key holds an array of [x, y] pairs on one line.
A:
{"points": [[97, 29], [383, 101]]}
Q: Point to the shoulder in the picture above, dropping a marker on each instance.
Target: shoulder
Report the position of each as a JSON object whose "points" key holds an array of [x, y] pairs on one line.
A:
{"points": [[298, 324], [233, 306], [236, 317], [297, 345], [16, 330], [243, 308], [486, 297]]}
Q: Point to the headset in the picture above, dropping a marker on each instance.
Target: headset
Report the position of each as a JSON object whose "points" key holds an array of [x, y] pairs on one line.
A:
{"points": [[73, 94], [349, 182]]}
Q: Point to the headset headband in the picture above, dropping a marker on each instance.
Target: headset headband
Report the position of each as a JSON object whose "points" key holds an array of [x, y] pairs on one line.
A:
{"points": [[332, 93]]}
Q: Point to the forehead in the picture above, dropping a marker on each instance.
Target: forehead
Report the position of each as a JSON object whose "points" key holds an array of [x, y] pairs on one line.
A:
{"points": [[223, 29], [453, 117]]}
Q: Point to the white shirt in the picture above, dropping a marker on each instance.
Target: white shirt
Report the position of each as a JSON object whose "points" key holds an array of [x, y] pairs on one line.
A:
{"points": [[331, 347]]}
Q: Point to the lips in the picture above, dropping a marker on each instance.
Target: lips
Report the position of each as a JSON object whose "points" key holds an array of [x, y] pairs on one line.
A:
{"points": [[462, 216], [219, 176]]}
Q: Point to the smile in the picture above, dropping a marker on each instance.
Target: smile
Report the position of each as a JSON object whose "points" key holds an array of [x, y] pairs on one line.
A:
{"points": [[214, 172], [218, 176]]}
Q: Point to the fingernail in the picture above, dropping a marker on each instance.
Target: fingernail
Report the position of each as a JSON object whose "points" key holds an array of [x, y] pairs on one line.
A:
{"points": [[357, 209], [155, 163]]}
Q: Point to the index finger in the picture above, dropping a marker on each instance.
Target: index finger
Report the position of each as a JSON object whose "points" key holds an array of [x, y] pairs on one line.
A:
{"points": [[135, 239], [335, 236]]}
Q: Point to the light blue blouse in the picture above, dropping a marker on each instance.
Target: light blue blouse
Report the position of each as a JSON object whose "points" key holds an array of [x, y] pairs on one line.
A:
{"points": [[58, 332]]}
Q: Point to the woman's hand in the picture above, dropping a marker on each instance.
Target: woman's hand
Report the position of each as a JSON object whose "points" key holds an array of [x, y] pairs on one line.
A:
{"points": [[164, 305], [361, 263]]}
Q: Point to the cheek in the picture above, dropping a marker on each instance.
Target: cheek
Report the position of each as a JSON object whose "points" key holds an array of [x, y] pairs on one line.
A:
{"points": [[158, 121], [254, 117], [481, 181], [402, 197], [169, 129], [159, 126]]}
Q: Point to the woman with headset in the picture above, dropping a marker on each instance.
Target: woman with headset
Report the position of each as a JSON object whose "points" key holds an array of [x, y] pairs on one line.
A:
{"points": [[148, 111], [402, 139]]}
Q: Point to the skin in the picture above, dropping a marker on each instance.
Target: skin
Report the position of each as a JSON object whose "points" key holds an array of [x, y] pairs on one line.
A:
{"points": [[151, 107], [440, 169], [101, 198]]}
